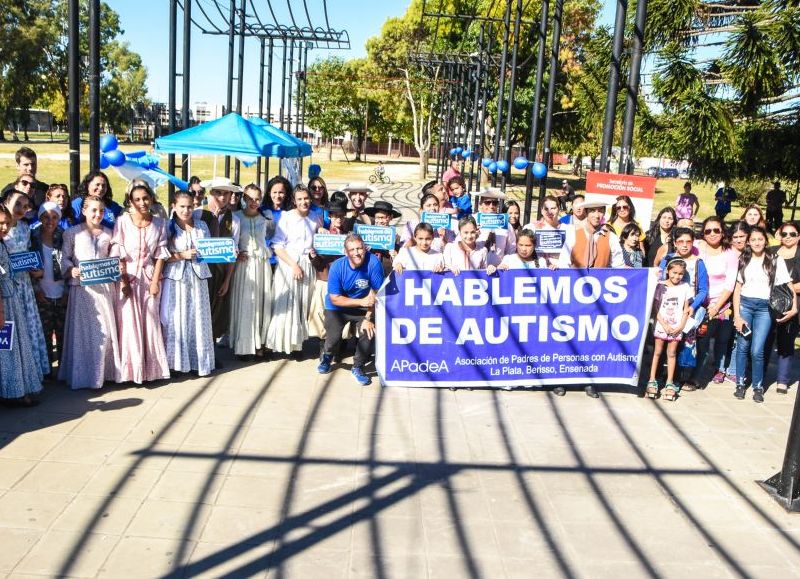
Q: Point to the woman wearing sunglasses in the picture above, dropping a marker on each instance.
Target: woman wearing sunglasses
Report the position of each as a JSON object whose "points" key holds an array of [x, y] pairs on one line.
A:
{"points": [[319, 200], [622, 213], [786, 333], [721, 263]]}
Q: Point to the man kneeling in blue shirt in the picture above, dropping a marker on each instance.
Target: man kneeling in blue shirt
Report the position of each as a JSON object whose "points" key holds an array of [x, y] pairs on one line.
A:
{"points": [[353, 281]]}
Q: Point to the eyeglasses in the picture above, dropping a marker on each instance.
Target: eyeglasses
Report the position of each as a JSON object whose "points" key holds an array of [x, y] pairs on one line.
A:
{"points": [[621, 207], [711, 230], [490, 201], [26, 183], [789, 234], [317, 188]]}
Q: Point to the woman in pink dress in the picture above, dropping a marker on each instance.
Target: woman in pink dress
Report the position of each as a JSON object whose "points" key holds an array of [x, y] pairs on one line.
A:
{"points": [[141, 240]]}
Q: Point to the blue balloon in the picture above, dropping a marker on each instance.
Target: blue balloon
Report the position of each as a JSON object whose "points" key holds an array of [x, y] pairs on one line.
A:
{"points": [[492, 167], [539, 170], [521, 163], [458, 150], [108, 143], [115, 158], [502, 166], [452, 152], [486, 162], [466, 153], [103, 161]]}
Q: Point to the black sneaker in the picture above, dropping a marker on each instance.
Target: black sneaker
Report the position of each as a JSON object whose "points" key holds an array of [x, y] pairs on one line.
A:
{"points": [[758, 395], [739, 392], [591, 392], [559, 390]]}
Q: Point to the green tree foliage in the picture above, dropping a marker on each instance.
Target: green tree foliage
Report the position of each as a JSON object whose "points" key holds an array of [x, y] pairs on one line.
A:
{"points": [[34, 62], [737, 113]]}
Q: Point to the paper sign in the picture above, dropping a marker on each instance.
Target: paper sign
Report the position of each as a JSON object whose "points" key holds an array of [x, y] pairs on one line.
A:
{"points": [[25, 261], [7, 337], [329, 244], [492, 220], [99, 271], [436, 220], [377, 236], [550, 239], [216, 250]]}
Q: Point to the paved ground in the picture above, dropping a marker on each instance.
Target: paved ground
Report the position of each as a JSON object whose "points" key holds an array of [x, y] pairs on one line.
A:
{"points": [[271, 470]]}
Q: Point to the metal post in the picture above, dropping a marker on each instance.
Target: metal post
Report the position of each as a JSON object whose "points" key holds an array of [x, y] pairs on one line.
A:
{"points": [[187, 54], [260, 96], [613, 84], [73, 104], [94, 85], [473, 142], [551, 91], [171, 90], [502, 88], [229, 97], [240, 77], [269, 108], [511, 89], [445, 141], [784, 486], [303, 102], [298, 73], [632, 94], [484, 102], [283, 85], [537, 101], [289, 89]]}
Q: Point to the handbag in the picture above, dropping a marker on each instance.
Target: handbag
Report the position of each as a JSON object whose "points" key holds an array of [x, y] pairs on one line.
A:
{"points": [[781, 299]]}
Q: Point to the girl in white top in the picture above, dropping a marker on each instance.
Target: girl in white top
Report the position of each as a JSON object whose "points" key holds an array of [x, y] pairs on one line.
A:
{"points": [[526, 256], [442, 236], [759, 272], [293, 282], [421, 255], [465, 253], [251, 292]]}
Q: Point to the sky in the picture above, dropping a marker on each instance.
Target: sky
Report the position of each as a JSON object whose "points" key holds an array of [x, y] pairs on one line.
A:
{"points": [[146, 26]]}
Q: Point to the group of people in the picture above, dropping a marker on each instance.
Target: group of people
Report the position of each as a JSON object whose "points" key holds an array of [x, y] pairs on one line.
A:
{"points": [[169, 309]]}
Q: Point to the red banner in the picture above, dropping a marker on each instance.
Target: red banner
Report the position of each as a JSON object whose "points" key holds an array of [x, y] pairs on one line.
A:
{"points": [[635, 186]]}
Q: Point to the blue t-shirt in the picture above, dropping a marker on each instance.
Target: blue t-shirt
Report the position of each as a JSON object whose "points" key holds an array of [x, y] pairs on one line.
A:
{"points": [[463, 204], [345, 281]]}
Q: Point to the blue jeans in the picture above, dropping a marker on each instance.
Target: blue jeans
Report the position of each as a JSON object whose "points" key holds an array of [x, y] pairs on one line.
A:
{"points": [[755, 313]]}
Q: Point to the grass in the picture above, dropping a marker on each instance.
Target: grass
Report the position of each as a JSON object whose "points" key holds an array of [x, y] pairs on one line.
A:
{"points": [[54, 168]]}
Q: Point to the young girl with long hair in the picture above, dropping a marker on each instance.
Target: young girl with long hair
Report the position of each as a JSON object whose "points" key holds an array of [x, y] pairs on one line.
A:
{"points": [[465, 254], [20, 373], [759, 272], [525, 257], [659, 235], [141, 240], [92, 351], [674, 310], [293, 283], [185, 303], [421, 255], [251, 292]]}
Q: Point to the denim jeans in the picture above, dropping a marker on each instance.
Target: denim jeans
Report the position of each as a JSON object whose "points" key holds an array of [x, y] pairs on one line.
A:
{"points": [[755, 313], [718, 334]]}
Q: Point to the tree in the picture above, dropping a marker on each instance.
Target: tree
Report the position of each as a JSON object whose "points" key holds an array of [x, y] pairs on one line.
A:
{"points": [[123, 86]]}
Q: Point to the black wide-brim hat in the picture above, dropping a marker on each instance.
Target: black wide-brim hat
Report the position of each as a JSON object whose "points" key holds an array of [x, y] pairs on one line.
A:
{"points": [[383, 206], [336, 206]]}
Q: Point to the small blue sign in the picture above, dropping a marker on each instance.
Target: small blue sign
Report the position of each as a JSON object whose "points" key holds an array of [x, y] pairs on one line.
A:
{"points": [[7, 337], [25, 261], [550, 239], [492, 220], [436, 220], [216, 250], [99, 271], [329, 243], [377, 236]]}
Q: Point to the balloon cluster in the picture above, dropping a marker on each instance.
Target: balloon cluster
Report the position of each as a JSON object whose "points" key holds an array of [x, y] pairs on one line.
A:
{"points": [[110, 153], [493, 167], [539, 170], [464, 152]]}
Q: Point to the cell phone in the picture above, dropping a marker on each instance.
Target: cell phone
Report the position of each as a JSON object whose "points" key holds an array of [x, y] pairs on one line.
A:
{"points": [[746, 331]]}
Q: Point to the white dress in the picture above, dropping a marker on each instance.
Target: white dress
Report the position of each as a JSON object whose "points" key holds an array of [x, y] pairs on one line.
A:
{"points": [[288, 327], [251, 291], [185, 306], [412, 258]]}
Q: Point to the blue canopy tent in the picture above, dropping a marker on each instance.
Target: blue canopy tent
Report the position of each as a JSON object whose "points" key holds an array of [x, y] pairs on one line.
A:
{"points": [[234, 136], [305, 148]]}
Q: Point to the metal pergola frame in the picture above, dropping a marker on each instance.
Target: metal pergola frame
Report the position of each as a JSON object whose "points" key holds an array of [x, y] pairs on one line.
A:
{"points": [[236, 19]]}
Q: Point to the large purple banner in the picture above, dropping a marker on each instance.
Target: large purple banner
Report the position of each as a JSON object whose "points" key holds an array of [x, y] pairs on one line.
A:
{"points": [[525, 328]]}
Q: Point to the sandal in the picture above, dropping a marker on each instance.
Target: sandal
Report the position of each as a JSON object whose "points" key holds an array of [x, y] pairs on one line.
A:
{"points": [[652, 389], [782, 389], [670, 392]]}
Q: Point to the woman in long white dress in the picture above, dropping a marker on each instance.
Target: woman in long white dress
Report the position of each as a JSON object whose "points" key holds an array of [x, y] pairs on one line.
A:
{"points": [[293, 282], [251, 294], [185, 306]]}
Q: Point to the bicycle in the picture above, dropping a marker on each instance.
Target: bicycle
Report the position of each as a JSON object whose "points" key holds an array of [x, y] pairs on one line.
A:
{"points": [[379, 176]]}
